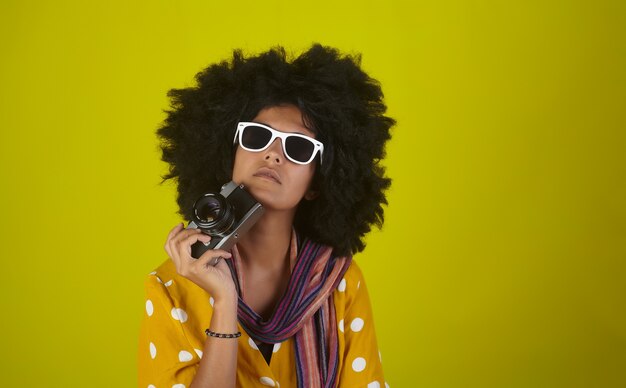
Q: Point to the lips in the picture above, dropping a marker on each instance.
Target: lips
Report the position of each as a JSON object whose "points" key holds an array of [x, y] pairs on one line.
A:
{"points": [[269, 173]]}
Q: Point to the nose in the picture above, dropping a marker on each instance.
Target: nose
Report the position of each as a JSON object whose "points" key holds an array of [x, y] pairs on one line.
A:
{"points": [[274, 152]]}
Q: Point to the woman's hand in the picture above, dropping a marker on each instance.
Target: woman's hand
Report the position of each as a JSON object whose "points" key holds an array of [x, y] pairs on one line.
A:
{"points": [[216, 279]]}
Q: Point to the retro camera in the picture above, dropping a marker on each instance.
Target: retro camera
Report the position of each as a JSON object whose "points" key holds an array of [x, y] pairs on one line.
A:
{"points": [[224, 216]]}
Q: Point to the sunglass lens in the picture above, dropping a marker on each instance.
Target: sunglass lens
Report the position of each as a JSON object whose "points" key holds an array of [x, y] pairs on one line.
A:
{"points": [[299, 148], [255, 138]]}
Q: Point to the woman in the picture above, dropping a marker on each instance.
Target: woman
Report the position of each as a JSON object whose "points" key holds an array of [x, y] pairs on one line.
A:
{"points": [[286, 306]]}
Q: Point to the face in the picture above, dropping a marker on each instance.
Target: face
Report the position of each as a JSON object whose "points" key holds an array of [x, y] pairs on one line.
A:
{"points": [[276, 182]]}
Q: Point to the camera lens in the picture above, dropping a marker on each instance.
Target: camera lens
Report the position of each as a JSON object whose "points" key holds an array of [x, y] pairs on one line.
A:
{"points": [[213, 214], [210, 210]]}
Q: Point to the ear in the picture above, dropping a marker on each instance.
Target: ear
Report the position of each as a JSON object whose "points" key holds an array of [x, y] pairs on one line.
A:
{"points": [[311, 195]]}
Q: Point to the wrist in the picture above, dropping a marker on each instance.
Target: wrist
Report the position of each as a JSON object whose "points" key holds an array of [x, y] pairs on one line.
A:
{"points": [[224, 318], [225, 307], [227, 300]]}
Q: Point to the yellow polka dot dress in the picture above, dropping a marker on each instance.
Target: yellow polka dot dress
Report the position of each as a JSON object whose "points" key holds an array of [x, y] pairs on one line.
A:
{"points": [[177, 313]]}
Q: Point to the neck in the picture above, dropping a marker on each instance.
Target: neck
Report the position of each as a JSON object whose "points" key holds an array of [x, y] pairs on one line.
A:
{"points": [[266, 244]]}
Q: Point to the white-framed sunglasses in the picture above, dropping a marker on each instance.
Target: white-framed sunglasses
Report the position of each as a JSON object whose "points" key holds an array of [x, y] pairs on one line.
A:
{"points": [[298, 148]]}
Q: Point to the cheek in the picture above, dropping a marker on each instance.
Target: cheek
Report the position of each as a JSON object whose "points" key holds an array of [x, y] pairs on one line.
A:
{"points": [[306, 178]]}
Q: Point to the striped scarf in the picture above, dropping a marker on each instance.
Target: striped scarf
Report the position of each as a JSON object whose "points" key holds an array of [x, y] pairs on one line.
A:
{"points": [[305, 311]]}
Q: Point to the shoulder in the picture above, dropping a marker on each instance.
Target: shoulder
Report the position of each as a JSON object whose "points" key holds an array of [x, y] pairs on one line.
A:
{"points": [[166, 280], [180, 299], [354, 271], [161, 277], [351, 290], [166, 270], [353, 277]]}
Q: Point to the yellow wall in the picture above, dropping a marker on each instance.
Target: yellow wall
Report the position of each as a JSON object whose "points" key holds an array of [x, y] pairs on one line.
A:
{"points": [[502, 262]]}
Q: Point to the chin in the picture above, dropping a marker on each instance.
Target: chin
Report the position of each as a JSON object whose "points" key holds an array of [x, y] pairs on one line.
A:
{"points": [[270, 201]]}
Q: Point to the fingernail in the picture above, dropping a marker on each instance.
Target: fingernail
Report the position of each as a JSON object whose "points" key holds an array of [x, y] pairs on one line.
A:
{"points": [[207, 238]]}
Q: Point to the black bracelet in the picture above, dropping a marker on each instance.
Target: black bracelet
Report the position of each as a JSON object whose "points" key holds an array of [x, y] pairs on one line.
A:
{"points": [[220, 335]]}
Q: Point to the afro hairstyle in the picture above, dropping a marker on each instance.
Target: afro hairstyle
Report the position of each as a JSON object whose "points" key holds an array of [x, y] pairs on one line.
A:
{"points": [[340, 103]]}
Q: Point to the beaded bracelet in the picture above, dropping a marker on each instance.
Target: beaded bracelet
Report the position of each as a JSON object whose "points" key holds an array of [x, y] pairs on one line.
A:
{"points": [[220, 335]]}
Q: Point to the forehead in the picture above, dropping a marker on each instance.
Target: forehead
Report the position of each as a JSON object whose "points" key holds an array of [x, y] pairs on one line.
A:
{"points": [[285, 118]]}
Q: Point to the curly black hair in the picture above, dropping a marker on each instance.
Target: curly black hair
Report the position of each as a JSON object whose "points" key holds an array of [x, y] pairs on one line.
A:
{"points": [[340, 103]]}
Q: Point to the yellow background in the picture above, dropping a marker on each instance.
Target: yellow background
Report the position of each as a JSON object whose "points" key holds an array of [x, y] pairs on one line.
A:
{"points": [[502, 260]]}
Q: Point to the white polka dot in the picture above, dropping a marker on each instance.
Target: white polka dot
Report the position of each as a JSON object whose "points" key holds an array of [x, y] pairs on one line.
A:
{"points": [[152, 273], [357, 324], [159, 279], [152, 350], [184, 356], [151, 386], [358, 365], [276, 347], [211, 301], [149, 307], [179, 314], [198, 352], [252, 344], [341, 325], [373, 384], [386, 385], [342, 285], [168, 283], [267, 381], [178, 386]]}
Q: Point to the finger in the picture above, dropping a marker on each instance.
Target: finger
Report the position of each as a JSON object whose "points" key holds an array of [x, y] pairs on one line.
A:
{"points": [[214, 261], [173, 255], [175, 230], [171, 238], [173, 242], [183, 234], [184, 246], [212, 258], [222, 265], [167, 248], [177, 244], [215, 253], [170, 235], [211, 264]]}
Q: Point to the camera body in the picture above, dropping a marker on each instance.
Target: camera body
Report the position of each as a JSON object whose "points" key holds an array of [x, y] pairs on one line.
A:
{"points": [[224, 216]]}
